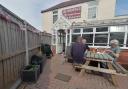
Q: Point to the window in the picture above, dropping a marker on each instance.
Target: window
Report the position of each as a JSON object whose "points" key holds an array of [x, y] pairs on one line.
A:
{"points": [[102, 29], [55, 12], [117, 29], [119, 36], [55, 16], [92, 12], [76, 31], [88, 30], [101, 36], [74, 37], [89, 38], [117, 32], [101, 39], [92, 9]]}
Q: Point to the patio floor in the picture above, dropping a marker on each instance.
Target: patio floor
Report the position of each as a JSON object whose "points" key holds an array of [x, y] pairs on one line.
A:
{"points": [[56, 65]]}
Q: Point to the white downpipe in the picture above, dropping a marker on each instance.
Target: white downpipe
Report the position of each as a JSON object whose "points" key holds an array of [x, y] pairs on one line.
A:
{"points": [[70, 41], [26, 45], [66, 41], [56, 42]]}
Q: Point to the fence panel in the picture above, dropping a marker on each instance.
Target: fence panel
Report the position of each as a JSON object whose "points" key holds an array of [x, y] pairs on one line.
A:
{"points": [[12, 53], [12, 49], [45, 38], [1, 76]]}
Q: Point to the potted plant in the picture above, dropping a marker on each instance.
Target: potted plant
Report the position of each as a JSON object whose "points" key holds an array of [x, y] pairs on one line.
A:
{"points": [[30, 73]]}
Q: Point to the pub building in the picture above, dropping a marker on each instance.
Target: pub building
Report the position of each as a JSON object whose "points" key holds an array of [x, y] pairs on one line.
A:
{"points": [[95, 20]]}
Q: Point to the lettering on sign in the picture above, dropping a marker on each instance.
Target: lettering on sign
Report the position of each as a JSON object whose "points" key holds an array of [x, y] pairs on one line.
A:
{"points": [[72, 13]]}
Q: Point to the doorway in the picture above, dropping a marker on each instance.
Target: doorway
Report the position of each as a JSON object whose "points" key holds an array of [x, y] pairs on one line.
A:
{"points": [[61, 41]]}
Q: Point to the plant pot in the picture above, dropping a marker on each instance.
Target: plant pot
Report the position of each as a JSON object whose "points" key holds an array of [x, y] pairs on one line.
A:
{"points": [[30, 73], [36, 60]]}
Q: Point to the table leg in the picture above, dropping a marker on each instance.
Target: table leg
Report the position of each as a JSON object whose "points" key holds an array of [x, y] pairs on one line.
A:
{"points": [[113, 77], [83, 70]]}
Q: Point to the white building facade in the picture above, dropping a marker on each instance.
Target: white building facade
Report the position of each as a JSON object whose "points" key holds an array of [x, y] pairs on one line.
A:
{"points": [[94, 20]]}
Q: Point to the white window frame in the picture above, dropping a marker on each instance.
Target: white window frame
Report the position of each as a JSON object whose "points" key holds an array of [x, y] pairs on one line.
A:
{"points": [[90, 5], [125, 31], [94, 33], [83, 33], [105, 32], [91, 13], [53, 14], [78, 32]]}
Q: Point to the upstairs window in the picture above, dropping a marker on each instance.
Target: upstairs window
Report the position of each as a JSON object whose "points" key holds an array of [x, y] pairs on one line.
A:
{"points": [[92, 9], [92, 13], [55, 16]]}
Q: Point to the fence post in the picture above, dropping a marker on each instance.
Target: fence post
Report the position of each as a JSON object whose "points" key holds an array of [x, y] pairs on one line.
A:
{"points": [[26, 44]]}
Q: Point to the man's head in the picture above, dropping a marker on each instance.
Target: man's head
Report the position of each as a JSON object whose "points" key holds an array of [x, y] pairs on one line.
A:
{"points": [[79, 39], [84, 41], [114, 43]]}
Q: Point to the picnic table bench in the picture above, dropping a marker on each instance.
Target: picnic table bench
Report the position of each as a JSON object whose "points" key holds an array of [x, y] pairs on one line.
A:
{"points": [[113, 68]]}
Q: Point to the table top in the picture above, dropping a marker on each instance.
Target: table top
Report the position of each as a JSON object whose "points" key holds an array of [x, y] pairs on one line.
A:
{"points": [[99, 56]]}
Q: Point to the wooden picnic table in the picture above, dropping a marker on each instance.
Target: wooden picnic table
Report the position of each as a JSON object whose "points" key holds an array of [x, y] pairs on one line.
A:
{"points": [[113, 68]]}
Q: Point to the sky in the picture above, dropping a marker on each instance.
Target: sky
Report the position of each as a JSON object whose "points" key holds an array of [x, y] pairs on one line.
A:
{"points": [[29, 10], [122, 7]]}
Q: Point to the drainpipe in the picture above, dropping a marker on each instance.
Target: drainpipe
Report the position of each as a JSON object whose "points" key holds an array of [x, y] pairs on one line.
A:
{"points": [[66, 40], [26, 44]]}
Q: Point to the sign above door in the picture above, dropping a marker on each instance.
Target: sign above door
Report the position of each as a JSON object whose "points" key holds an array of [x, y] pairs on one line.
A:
{"points": [[72, 13]]}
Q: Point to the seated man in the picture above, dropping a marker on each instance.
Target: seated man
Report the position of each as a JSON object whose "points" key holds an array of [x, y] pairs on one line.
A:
{"points": [[77, 51], [114, 51]]}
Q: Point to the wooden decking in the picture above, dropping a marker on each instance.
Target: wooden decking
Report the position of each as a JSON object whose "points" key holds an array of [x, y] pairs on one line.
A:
{"points": [[57, 65]]}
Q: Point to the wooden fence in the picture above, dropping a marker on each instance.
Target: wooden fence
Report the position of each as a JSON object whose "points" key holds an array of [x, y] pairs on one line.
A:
{"points": [[13, 52]]}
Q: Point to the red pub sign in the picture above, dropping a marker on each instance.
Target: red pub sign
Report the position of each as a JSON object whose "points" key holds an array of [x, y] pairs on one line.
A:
{"points": [[72, 13]]}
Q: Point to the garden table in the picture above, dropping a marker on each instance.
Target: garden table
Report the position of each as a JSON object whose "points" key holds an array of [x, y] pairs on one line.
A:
{"points": [[112, 68]]}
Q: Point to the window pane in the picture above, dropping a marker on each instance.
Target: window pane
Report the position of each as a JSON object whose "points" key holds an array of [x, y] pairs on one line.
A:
{"points": [[88, 30], [55, 17], [101, 38], [88, 37], [119, 36], [55, 12], [92, 12], [61, 39], [103, 29], [68, 32], [68, 38], [76, 31], [74, 37], [127, 40], [117, 29]]}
